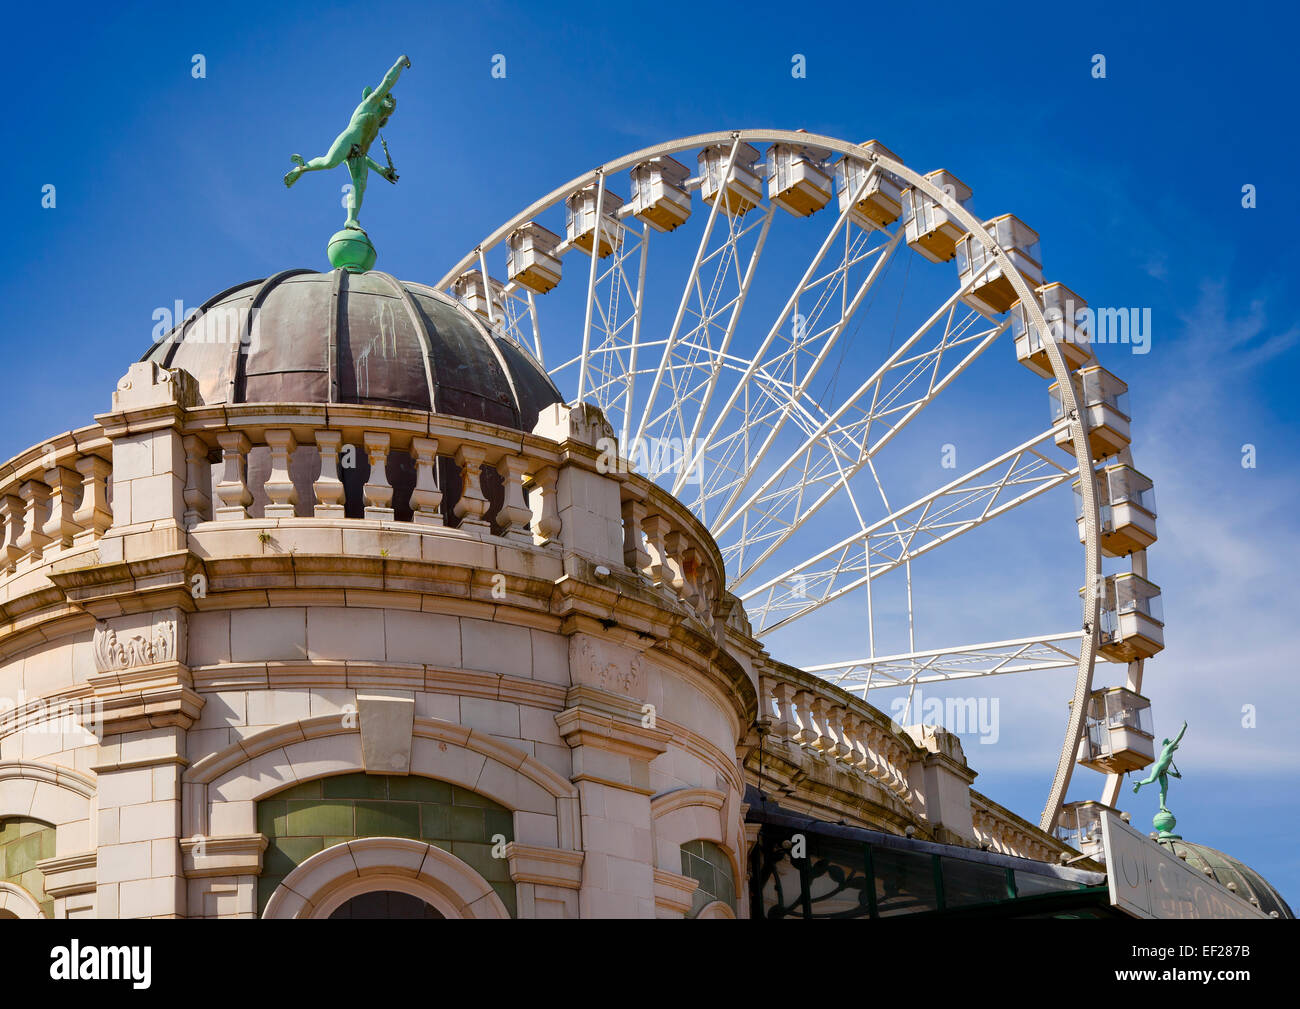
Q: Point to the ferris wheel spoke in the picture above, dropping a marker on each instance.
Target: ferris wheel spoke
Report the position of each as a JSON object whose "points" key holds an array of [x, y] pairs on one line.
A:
{"points": [[692, 284], [728, 514], [960, 662], [777, 381], [612, 325], [991, 489], [806, 337], [774, 393], [830, 440]]}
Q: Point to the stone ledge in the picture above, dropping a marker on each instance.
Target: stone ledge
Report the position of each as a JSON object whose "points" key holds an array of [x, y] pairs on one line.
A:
{"points": [[231, 855], [545, 866]]}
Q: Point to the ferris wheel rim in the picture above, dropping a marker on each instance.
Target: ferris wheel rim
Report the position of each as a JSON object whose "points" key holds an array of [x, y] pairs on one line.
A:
{"points": [[1077, 418]]}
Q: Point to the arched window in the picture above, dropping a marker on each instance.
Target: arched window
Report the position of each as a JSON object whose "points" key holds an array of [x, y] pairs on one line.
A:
{"points": [[710, 866], [385, 904], [302, 820], [23, 843]]}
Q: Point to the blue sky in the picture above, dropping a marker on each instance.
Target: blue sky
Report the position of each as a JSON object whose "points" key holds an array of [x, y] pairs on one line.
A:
{"points": [[168, 187]]}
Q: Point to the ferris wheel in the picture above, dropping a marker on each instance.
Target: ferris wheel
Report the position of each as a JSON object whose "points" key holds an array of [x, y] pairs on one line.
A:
{"points": [[765, 351]]}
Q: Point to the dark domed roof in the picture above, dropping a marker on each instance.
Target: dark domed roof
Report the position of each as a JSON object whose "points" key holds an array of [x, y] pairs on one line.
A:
{"points": [[1227, 869], [307, 337]]}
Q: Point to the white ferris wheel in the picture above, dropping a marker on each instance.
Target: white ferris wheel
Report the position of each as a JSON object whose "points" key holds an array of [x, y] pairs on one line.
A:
{"points": [[765, 353]]}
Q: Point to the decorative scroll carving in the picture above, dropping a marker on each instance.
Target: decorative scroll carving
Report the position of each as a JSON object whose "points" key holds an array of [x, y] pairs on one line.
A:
{"points": [[126, 652], [608, 675]]}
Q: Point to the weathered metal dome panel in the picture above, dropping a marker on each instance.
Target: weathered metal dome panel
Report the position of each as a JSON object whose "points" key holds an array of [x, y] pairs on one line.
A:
{"points": [[306, 337], [1227, 869]]}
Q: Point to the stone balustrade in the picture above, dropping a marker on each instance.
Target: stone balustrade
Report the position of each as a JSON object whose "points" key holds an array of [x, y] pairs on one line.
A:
{"points": [[400, 466], [1000, 830], [54, 497], [843, 734], [850, 735], [258, 462]]}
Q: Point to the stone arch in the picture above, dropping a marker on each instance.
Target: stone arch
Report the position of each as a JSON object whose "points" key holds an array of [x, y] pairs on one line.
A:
{"points": [[331, 877], [18, 903], [56, 795], [222, 790], [693, 814]]}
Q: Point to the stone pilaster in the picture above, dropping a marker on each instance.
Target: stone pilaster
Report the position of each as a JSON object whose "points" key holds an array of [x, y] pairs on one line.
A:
{"points": [[143, 690], [612, 751]]}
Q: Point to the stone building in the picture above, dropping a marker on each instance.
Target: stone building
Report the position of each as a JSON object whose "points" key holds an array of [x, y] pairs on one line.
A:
{"points": [[338, 611]]}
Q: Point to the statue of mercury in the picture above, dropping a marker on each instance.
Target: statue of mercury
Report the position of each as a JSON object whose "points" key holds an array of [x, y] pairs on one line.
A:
{"points": [[353, 144], [1163, 767]]}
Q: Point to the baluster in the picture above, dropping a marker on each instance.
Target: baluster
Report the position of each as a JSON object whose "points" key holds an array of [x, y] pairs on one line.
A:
{"points": [[542, 502], [824, 743], [281, 494], [328, 486], [857, 755], [36, 498], [898, 757], [706, 595], [807, 732], [785, 727], [875, 740], [63, 484], [93, 515], [514, 516], [835, 725], [426, 499], [635, 555], [11, 514], [676, 577], [656, 533], [232, 488], [378, 491], [472, 505], [198, 481], [693, 572]]}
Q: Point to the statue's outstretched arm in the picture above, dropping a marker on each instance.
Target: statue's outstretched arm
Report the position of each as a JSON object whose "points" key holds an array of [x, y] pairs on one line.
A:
{"points": [[390, 78], [1179, 738]]}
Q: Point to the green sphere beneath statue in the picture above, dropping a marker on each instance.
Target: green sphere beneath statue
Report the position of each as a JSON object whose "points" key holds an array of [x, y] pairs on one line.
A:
{"points": [[351, 250], [1164, 823]]}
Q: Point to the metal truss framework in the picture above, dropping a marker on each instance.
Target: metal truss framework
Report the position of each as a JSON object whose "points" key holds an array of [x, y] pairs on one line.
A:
{"points": [[946, 665]]}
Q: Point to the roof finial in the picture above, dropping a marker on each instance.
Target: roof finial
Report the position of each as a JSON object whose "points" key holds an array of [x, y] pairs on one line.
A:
{"points": [[351, 249]]}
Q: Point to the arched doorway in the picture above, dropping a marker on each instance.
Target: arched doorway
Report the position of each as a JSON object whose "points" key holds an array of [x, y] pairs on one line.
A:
{"points": [[386, 904]]}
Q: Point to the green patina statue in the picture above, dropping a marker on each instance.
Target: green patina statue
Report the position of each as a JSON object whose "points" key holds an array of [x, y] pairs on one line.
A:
{"points": [[1164, 766], [350, 249]]}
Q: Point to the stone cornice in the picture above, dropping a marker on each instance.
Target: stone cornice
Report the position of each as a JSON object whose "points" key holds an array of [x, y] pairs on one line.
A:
{"points": [[144, 697], [229, 855], [128, 586], [609, 722], [69, 875], [545, 866], [673, 891]]}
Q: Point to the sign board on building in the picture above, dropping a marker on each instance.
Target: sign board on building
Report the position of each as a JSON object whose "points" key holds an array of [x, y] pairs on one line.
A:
{"points": [[1148, 881]]}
